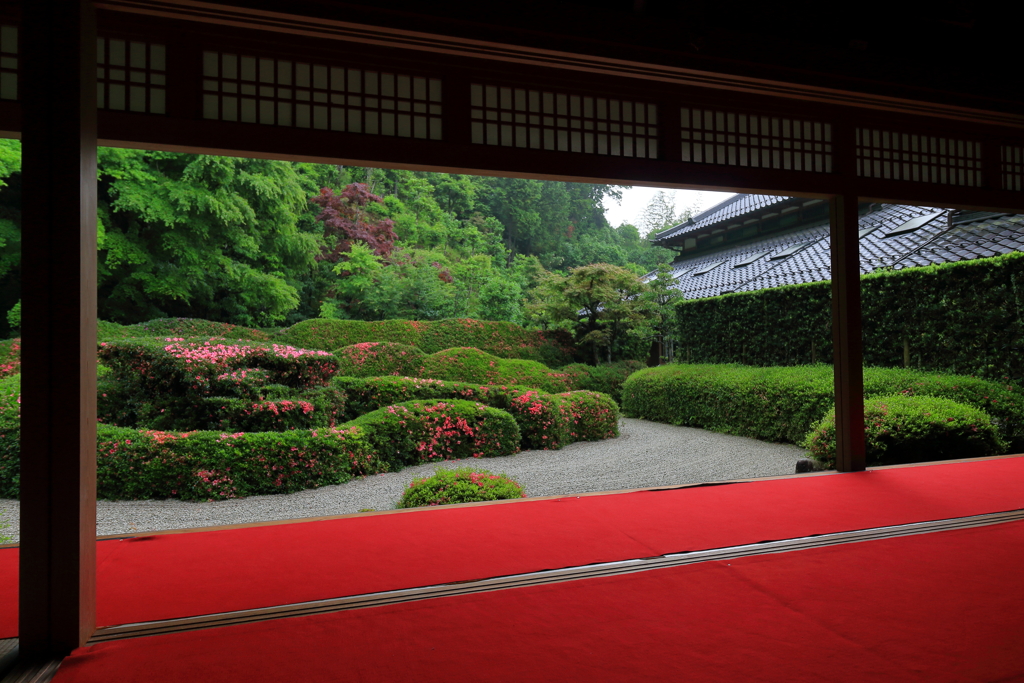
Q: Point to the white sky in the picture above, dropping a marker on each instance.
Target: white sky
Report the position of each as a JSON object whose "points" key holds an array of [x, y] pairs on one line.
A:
{"points": [[635, 200]]}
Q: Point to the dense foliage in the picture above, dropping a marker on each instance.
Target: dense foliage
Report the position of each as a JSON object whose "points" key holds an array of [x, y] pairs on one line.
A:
{"points": [[965, 318], [262, 243], [461, 485], [782, 404], [902, 429]]}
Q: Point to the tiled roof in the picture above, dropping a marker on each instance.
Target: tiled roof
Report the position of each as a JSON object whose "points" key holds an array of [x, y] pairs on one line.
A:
{"points": [[737, 205], [935, 242]]}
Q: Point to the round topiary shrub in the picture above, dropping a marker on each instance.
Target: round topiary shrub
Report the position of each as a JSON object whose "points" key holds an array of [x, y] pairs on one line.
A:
{"points": [[461, 485], [905, 429], [376, 359]]}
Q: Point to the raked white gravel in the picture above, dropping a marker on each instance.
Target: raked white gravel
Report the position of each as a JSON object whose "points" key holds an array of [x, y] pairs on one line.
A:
{"points": [[646, 454]]}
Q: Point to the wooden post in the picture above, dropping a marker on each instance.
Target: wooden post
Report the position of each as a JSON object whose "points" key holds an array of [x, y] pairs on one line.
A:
{"points": [[58, 423], [846, 334]]}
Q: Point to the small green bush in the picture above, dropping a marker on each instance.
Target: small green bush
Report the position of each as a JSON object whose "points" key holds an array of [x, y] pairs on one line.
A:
{"points": [[502, 339], [474, 365], [607, 379], [374, 359], [462, 485], [906, 429], [423, 431]]}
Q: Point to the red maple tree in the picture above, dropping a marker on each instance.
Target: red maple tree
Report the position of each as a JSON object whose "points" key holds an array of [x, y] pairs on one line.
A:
{"points": [[346, 219]]}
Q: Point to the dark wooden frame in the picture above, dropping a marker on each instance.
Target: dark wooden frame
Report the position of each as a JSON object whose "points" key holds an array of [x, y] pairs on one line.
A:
{"points": [[60, 128]]}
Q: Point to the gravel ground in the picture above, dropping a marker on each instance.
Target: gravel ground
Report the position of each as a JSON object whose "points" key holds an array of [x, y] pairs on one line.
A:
{"points": [[646, 454]]}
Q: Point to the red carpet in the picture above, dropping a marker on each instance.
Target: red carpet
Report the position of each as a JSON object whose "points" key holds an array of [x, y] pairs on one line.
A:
{"points": [[938, 607], [166, 576]]}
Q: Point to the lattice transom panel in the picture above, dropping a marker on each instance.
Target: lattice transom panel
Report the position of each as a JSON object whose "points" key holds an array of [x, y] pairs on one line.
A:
{"points": [[533, 119], [131, 76], [733, 139], [8, 62], [1013, 168], [919, 158], [285, 93]]}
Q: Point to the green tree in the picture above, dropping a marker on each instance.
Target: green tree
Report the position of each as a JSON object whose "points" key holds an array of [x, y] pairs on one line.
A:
{"points": [[600, 304], [201, 236]]}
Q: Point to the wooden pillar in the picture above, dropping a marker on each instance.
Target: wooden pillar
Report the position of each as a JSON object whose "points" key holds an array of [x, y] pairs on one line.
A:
{"points": [[846, 333], [58, 423]]}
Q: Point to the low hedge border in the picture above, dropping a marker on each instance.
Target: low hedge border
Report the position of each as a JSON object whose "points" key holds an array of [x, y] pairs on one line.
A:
{"points": [[782, 404], [905, 429], [374, 359]]}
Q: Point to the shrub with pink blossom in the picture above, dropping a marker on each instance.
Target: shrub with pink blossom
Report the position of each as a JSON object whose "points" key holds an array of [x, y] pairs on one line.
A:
{"points": [[423, 431], [10, 357], [589, 416], [540, 416], [461, 485], [10, 434], [135, 464], [374, 359], [278, 410]]}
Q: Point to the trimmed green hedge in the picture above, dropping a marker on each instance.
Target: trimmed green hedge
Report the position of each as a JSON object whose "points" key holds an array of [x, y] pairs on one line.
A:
{"points": [[546, 421], [782, 404], [962, 318], [178, 327], [607, 379], [375, 359], [502, 339], [904, 429], [414, 432], [461, 485], [474, 365]]}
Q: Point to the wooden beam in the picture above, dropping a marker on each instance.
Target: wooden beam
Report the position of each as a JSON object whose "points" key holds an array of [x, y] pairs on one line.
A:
{"points": [[846, 334], [58, 423]]}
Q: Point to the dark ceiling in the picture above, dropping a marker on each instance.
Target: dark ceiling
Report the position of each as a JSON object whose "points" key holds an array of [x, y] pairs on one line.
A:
{"points": [[953, 51]]}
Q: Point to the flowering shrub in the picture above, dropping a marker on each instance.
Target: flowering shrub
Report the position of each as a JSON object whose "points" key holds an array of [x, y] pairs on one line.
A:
{"points": [[10, 357], [316, 407], [422, 431], [589, 416], [473, 365], [543, 419], [132, 464], [502, 339], [461, 485], [373, 359], [901, 429]]}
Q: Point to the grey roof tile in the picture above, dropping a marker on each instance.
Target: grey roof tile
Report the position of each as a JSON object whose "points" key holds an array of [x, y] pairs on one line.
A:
{"points": [[936, 242]]}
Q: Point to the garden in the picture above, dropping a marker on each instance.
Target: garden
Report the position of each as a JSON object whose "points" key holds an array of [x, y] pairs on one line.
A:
{"points": [[196, 410]]}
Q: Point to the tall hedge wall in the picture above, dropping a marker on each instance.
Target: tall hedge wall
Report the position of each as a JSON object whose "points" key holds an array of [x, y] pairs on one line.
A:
{"points": [[963, 318]]}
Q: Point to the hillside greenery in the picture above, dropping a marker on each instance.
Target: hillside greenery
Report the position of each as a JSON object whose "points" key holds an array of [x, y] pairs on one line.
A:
{"points": [[266, 244]]}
